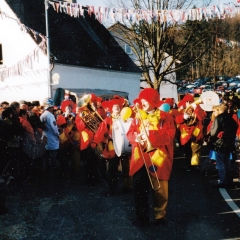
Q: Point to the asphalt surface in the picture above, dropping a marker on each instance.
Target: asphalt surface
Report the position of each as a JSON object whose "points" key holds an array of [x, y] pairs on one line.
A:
{"points": [[47, 207]]}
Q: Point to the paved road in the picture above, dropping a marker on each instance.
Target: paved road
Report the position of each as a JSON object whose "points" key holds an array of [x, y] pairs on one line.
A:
{"points": [[52, 208]]}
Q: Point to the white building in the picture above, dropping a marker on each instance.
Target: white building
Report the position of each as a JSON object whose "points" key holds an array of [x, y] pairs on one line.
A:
{"points": [[84, 54]]}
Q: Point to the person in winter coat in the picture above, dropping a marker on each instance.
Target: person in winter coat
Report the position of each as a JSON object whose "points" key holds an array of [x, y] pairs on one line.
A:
{"points": [[222, 141], [50, 130]]}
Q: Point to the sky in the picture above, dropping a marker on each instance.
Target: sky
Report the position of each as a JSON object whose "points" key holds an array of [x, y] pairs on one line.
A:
{"points": [[105, 2]]}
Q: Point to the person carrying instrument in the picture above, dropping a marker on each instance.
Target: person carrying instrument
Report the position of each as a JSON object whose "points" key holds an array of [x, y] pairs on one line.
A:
{"points": [[190, 123], [151, 134], [87, 154], [104, 135]]}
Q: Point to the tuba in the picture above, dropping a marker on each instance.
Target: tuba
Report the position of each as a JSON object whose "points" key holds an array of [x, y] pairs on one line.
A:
{"points": [[88, 113], [91, 118]]}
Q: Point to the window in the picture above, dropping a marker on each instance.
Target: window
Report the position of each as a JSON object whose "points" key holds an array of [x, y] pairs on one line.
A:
{"points": [[1, 58], [128, 49]]}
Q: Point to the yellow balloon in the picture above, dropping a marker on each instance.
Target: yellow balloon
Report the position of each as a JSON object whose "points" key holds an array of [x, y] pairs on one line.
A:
{"points": [[143, 114], [126, 113]]}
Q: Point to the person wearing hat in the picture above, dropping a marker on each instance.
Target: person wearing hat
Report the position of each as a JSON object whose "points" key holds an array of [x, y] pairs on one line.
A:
{"points": [[174, 112], [50, 130], [100, 109], [34, 117], [151, 135], [190, 122], [104, 135], [87, 154], [67, 101]]}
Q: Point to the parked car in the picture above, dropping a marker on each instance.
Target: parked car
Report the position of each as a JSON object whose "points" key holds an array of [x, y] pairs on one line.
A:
{"points": [[197, 91], [234, 83], [220, 83], [208, 88], [191, 85], [238, 91], [224, 78], [231, 89], [238, 76], [183, 90], [230, 80], [220, 89]]}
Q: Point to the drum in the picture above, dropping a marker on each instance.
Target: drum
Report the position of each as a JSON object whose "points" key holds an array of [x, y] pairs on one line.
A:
{"points": [[120, 141]]}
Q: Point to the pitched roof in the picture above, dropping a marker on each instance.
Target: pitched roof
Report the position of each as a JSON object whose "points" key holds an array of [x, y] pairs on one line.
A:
{"points": [[74, 41]]}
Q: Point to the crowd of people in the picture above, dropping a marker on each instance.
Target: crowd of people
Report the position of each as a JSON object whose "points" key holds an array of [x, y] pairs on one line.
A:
{"points": [[60, 140]]}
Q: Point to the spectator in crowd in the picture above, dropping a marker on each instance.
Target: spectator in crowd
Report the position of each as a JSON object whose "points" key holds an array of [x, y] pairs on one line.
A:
{"points": [[28, 140], [50, 130], [222, 141], [3, 106]]}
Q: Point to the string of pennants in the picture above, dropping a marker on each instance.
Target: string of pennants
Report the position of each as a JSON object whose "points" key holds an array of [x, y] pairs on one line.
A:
{"points": [[228, 43], [27, 61], [113, 15], [23, 27]]}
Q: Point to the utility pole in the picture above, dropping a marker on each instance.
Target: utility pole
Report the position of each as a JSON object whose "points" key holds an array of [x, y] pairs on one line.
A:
{"points": [[48, 50]]}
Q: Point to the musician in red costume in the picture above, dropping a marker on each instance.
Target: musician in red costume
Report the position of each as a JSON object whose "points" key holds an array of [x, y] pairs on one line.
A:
{"points": [[154, 167], [67, 101], [86, 152], [191, 132], [104, 135], [97, 101]]}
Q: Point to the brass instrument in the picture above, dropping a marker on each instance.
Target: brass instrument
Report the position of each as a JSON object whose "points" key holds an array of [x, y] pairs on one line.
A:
{"points": [[206, 101], [88, 113], [149, 148], [190, 111], [91, 118]]}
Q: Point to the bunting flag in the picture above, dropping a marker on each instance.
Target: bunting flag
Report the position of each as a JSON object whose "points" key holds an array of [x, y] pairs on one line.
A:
{"points": [[23, 27], [126, 16], [26, 62], [228, 43]]}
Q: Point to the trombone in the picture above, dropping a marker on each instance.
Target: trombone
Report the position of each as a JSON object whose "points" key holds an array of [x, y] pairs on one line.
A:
{"points": [[149, 148]]}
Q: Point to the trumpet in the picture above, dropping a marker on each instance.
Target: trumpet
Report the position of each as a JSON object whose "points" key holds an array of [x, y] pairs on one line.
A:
{"points": [[149, 148]]}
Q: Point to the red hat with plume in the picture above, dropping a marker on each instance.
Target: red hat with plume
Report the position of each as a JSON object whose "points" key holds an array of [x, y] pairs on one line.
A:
{"points": [[188, 98], [151, 95], [115, 101]]}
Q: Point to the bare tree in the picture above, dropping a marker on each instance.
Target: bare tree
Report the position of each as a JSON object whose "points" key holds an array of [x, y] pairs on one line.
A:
{"points": [[161, 47]]}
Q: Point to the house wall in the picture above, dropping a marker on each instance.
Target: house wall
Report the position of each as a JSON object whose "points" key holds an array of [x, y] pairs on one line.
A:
{"points": [[33, 83], [81, 77], [16, 46]]}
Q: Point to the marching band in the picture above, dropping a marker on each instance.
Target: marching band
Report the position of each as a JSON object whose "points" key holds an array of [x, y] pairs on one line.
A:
{"points": [[112, 136]]}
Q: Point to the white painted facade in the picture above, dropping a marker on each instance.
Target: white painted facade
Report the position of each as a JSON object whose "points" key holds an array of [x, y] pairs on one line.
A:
{"points": [[82, 77], [33, 83], [17, 45]]}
